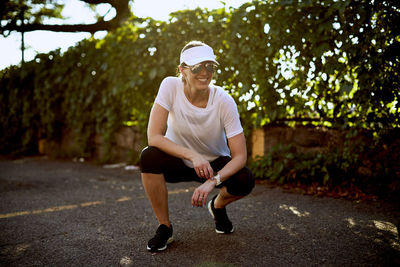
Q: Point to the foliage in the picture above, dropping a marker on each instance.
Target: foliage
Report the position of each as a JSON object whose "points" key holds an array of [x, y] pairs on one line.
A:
{"points": [[283, 164], [358, 164], [13, 12], [334, 61]]}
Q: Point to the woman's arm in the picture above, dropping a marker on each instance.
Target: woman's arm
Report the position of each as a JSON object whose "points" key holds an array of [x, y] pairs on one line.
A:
{"points": [[155, 137], [237, 146], [156, 130]]}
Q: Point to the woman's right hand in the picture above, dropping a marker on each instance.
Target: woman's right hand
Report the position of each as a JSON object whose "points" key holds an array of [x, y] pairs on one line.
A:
{"points": [[202, 167]]}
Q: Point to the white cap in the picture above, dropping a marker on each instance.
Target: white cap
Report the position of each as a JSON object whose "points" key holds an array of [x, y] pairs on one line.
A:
{"points": [[198, 54]]}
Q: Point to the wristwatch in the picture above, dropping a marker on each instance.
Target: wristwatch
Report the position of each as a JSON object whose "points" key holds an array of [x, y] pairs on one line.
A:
{"points": [[217, 178]]}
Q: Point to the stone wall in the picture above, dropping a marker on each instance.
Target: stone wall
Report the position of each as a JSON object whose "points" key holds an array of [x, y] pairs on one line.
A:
{"points": [[126, 146], [128, 142], [303, 139]]}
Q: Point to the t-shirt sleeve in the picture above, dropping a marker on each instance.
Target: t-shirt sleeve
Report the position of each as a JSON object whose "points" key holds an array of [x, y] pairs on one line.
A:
{"points": [[166, 93], [230, 117]]}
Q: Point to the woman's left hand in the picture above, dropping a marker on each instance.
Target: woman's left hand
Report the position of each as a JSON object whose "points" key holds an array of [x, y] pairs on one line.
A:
{"points": [[200, 194]]}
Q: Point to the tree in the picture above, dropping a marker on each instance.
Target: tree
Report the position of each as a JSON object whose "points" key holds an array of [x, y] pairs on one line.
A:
{"points": [[27, 15]]}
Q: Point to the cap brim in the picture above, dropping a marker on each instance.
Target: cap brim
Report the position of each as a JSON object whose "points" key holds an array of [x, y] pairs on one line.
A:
{"points": [[198, 54]]}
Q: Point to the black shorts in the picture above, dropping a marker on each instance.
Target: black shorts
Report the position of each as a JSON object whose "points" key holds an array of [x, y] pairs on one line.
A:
{"points": [[153, 160]]}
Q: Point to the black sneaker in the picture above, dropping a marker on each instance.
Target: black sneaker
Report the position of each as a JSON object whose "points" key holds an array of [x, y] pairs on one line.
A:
{"points": [[162, 238], [222, 223]]}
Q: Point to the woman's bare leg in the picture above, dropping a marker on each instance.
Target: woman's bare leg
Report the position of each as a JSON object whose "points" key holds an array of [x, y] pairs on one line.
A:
{"points": [[224, 198], [156, 190]]}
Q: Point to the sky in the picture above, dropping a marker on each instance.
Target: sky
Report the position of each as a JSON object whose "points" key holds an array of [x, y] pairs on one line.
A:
{"points": [[76, 12]]}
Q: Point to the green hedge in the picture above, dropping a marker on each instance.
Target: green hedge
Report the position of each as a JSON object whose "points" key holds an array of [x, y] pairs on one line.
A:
{"points": [[362, 163], [343, 71]]}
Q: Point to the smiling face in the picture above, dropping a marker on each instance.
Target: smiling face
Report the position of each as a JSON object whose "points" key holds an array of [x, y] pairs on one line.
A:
{"points": [[200, 80]]}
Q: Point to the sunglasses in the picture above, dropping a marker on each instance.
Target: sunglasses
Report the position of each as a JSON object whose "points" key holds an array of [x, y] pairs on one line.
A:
{"points": [[195, 69]]}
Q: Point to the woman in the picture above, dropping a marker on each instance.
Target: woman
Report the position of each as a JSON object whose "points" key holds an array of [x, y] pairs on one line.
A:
{"points": [[203, 142]]}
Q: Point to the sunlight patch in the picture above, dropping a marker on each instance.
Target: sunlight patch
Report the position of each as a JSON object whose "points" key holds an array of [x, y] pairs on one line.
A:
{"points": [[295, 211], [391, 229], [351, 222], [386, 226], [126, 261], [179, 191], [15, 250], [287, 229]]}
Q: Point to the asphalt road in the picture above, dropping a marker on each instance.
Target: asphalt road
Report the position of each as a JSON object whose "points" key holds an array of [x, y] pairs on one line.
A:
{"points": [[64, 213]]}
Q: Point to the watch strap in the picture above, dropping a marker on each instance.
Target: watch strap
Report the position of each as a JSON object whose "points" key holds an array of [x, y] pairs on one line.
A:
{"points": [[218, 179]]}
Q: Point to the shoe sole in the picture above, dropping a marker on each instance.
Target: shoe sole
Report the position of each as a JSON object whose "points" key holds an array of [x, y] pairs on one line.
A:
{"points": [[212, 214], [222, 232], [169, 241]]}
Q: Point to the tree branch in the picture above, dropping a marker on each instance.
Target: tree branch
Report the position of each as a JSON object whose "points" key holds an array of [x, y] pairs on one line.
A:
{"points": [[122, 14], [91, 28]]}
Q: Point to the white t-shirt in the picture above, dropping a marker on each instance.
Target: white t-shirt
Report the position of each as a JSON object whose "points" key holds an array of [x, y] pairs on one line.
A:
{"points": [[204, 130]]}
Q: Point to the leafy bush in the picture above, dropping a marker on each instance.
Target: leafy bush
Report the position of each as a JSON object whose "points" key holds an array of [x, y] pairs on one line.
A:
{"points": [[373, 168], [332, 61]]}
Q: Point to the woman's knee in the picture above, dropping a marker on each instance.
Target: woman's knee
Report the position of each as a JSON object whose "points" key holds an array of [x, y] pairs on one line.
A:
{"points": [[243, 183], [150, 159]]}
